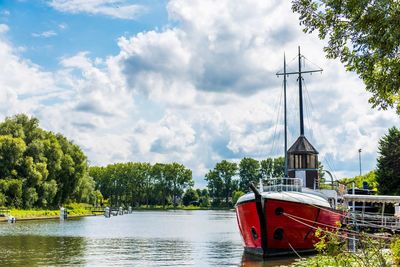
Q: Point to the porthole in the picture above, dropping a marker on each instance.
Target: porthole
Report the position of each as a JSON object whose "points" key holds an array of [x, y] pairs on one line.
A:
{"points": [[254, 233], [278, 234], [279, 211]]}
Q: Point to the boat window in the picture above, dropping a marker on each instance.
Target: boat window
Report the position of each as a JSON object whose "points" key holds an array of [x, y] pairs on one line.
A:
{"points": [[278, 234], [254, 233], [279, 211]]}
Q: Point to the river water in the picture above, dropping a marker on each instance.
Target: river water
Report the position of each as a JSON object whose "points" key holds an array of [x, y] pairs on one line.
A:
{"points": [[145, 238]]}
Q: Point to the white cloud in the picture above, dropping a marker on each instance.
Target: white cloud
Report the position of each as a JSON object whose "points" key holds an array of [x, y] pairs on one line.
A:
{"points": [[5, 12], [45, 34], [120, 9], [62, 26], [198, 92], [4, 28]]}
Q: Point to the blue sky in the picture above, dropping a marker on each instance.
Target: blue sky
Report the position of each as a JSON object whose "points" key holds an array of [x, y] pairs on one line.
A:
{"points": [[49, 34], [186, 81]]}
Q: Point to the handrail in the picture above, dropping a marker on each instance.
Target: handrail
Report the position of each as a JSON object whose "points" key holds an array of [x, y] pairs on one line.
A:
{"points": [[282, 184]]}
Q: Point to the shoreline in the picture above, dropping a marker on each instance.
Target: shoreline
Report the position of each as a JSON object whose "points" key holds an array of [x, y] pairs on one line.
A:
{"points": [[4, 218], [55, 217]]}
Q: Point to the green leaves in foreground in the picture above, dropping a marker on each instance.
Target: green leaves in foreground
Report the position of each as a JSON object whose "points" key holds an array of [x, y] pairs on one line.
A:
{"points": [[333, 250], [365, 36]]}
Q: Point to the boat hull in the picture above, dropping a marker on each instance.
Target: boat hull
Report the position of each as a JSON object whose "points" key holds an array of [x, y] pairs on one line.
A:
{"points": [[284, 231]]}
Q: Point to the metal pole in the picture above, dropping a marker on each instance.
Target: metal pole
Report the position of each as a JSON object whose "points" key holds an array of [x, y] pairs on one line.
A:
{"points": [[285, 114], [353, 247], [301, 97], [359, 158]]}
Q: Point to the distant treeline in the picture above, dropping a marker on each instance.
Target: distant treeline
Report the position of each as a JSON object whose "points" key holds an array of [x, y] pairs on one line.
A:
{"points": [[39, 168], [229, 180], [137, 184]]}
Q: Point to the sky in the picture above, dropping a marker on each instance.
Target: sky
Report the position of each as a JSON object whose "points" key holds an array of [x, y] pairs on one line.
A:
{"points": [[182, 81]]}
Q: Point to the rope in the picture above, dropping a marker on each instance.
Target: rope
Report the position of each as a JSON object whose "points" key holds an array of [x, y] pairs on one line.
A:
{"points": [[292, 217], [290, 245], [322, 224], [313, 227], [347, 216], [277, 120]]}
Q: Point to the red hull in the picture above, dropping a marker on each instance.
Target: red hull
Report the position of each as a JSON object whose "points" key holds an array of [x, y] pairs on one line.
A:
{"points": [[282, 232]]}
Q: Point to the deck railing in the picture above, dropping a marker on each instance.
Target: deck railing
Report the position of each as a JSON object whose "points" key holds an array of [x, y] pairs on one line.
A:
{"points": [[282, 184]]}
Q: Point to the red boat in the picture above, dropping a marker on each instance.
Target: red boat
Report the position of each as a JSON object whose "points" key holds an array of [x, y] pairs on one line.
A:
{"points": [[281, 217]]}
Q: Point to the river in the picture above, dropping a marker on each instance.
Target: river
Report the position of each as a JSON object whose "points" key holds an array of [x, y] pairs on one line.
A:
{"points": [[143, 238]]}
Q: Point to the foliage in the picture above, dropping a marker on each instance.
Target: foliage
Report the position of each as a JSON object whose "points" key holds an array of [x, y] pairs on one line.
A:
{"points": [[249, 172], [236, 195], [395, 250], [272, 167], [204, 197], [365, 36], [39, 168], [221, 183], [369, 177], [190, 197], [332, 249], [388, 167], [136, 183]]}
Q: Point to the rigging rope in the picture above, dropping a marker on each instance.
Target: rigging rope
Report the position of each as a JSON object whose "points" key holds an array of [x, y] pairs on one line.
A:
{"points": [[276, 123], [292, 217]]}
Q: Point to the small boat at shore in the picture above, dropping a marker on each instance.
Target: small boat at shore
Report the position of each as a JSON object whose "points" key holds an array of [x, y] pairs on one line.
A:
{"points": [[281, 215]]}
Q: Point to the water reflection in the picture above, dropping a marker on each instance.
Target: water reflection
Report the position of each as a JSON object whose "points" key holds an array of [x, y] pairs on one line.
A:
{"points": [[150, 238], [253, 261], [41, 250]]}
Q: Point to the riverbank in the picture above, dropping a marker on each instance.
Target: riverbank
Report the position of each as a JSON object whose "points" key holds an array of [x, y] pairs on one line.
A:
{"points": [[83, 210], [74, 210]]}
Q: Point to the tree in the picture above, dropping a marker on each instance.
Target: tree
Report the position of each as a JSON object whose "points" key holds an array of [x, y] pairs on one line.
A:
{"points": [[162, 183], [204, 197], [236, 195], [190, 197], [272, 167], [365, 36], [220, 180], [180, 178], [39, 168], [138, 183], [249, 172], [369, 177], [388, 167]]}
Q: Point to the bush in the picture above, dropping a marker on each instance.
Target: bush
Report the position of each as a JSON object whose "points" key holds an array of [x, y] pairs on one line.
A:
{"points": [[395, 250]]}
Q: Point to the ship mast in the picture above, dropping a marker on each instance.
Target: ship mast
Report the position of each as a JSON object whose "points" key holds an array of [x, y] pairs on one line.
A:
{"points": [[285, 114], [300, 80]]}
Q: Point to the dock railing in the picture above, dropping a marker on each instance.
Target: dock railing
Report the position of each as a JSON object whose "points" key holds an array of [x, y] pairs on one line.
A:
{"points": [[282, 184]]}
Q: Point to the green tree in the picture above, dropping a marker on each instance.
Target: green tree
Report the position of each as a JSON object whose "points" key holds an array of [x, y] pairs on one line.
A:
{"points": [[162, 184], [249, 172], [41, 169], [190, 197], [179, 177], [220, 181], [388, 167], [369, 177], [204, 197], [365, 36], [272, 167], [236, 195], [11, 153]]}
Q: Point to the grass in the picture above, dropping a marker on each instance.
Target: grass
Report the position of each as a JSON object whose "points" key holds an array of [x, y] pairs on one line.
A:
{"points": [[74, 209], [82, 209]]}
